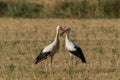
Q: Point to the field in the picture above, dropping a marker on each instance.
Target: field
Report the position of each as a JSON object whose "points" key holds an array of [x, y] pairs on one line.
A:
{"points": [[22, 39]]}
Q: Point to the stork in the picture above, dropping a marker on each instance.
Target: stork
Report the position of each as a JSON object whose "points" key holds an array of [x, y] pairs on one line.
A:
{"points": [[73, 48], [49, 50]]}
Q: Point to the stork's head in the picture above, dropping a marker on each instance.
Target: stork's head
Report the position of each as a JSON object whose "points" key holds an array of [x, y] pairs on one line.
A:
{"points": [[67, 31], [60, 28]]}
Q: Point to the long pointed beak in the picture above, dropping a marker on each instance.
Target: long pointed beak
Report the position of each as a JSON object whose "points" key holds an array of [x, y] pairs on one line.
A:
{"points": [[64, 31]]}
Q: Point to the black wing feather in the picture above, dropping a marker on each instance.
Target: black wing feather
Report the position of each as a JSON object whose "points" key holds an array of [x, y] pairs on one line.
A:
{"points": [[78, 53], [41, 56]]}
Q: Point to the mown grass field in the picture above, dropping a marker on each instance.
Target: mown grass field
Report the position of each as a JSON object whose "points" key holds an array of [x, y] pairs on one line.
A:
{"points": [[22, 39]]}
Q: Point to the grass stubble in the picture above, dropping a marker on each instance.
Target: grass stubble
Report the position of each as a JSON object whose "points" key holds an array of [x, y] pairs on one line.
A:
{"points": [[22, 39]]}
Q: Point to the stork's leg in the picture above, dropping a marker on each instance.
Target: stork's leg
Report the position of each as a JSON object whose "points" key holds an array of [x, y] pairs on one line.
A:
{"points": [[51, 63], [71, 60], [46, 64], [75, 62]]}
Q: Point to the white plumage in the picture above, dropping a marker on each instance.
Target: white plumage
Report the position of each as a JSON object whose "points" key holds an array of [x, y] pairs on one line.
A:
{"points": [[69, 44], [50, 50], [73, 48]]}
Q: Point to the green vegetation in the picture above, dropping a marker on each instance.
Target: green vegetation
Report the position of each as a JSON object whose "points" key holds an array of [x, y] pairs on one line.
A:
{"points": [[11, 67], [62, 9], [20, 9], [98, 50]]}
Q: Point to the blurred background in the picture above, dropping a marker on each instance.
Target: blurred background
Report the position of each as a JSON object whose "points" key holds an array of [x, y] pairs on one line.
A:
{"points": [[60, 8]]}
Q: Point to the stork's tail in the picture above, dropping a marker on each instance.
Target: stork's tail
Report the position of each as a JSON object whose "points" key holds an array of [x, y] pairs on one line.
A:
{"points": [[41, 57], [83, 59], [36, 62], [81, 55]]}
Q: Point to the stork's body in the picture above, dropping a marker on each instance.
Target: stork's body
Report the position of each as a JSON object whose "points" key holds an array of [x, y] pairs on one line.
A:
{"points": [[73, 48], [50, 50]]}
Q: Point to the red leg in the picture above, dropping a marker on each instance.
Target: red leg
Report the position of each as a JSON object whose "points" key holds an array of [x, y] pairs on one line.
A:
{"points": [[46, 64], [51, 61]]}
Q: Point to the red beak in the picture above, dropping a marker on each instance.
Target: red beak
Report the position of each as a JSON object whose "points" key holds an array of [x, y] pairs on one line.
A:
{"points": [[64, 31]]}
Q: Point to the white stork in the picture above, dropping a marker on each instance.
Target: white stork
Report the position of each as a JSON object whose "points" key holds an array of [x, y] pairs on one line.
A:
{"points": [[50, 50], [73, 48]]}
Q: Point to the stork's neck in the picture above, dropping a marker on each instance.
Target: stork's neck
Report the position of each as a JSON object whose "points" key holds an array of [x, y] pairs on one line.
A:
{"points": [[56, 36], [67, 37]]}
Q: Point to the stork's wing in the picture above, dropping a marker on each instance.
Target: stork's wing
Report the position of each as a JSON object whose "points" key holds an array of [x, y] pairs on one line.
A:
{"points": [[78, 53], [41, 56]]}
